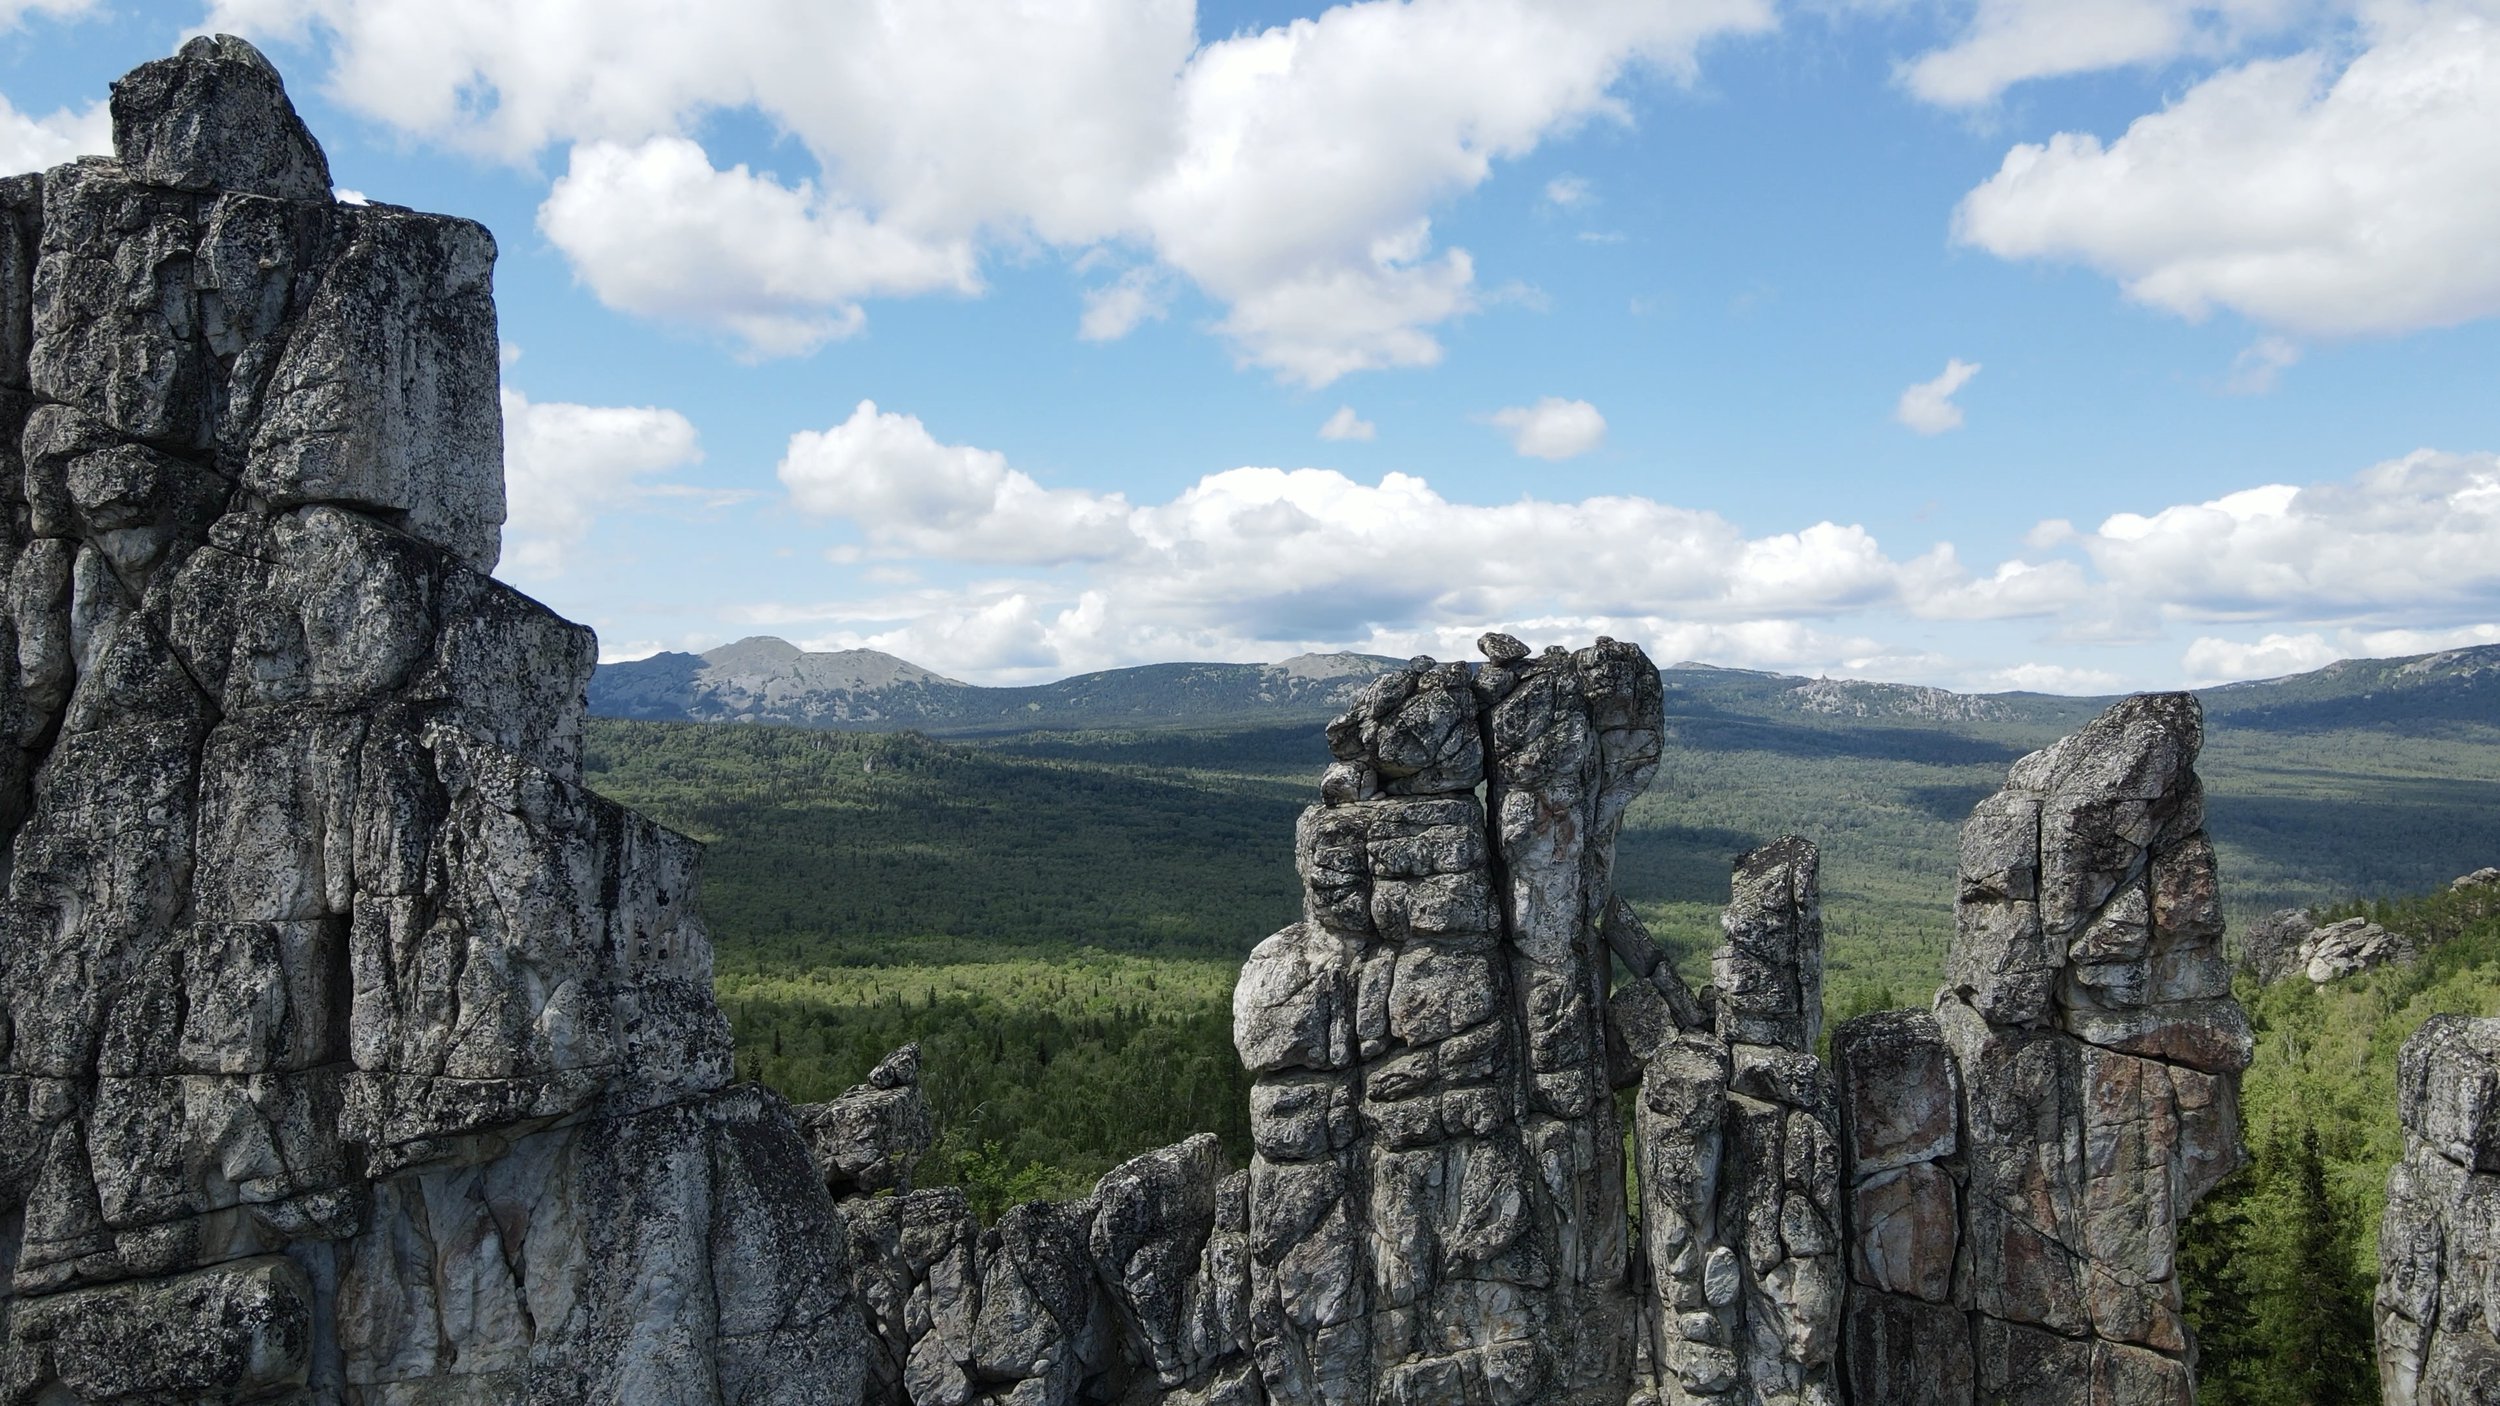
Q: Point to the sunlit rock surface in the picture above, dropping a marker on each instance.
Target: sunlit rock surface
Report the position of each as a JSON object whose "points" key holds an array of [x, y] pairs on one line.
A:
{"points": [[2439, 1244], [350, 1051]]}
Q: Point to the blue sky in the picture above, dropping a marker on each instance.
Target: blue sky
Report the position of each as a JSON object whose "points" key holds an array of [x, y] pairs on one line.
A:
{"points": [[2062, 344]]}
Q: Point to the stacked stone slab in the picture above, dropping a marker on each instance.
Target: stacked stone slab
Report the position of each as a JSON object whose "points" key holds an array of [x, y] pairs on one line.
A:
{"points": [[2439, 1244], [350, 1050], [2020, 1160], [1738, 1154], [1436, 1200]]}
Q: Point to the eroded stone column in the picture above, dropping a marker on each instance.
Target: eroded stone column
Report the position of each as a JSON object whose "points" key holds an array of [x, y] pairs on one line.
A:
{"points": [[2090, 1030], [1739, 1161], [2439, 1244], [1436, 1201]]}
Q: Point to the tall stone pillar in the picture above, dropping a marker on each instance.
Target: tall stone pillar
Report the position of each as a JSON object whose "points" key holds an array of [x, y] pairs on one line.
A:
{"points": [[1740, 1163], [1436, 1200], [2439, 1244], [2094, 1053]]}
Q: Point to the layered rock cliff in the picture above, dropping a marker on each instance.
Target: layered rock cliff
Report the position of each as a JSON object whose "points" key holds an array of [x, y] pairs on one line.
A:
{"points": [[350, 1051]]}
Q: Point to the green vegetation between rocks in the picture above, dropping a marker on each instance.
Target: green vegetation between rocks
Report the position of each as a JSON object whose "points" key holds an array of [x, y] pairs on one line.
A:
{"points": [[2280, 1262], [1058, 916]]}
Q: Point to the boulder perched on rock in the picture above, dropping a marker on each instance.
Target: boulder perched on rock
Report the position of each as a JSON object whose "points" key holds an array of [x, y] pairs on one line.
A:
{"points": [[350, 1050]]}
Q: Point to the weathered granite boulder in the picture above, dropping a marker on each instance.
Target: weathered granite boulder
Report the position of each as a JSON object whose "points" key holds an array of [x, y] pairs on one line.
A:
{"points": [[350, 1050], [2291, 943], [871, 1138], [2019, 1162], [2439, 1244]]}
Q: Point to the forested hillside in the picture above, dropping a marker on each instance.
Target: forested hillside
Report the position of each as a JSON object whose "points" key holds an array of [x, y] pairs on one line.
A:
{"points": [[869, 888]]}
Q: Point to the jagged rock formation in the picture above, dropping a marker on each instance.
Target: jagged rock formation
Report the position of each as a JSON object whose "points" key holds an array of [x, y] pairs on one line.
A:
{"points": [[2291, 943], [2439, 1244], [350, 1051], [1739, 1159], [2020, 1160], [1436, 1202]]}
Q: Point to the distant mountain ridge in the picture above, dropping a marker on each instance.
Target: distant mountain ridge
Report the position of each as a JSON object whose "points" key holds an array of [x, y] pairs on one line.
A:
{"points": [[766, 680]]}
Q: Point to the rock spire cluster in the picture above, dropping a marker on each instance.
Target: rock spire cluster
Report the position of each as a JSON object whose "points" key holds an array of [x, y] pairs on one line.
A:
{"points": [[353, 1054], [350, 1050]]}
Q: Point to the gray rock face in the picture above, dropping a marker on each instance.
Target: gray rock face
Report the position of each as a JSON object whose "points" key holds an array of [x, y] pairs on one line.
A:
{"points": [[2439, 1244], [2291, 943], [1740, 1164], [350, 1051], [1436, 1205], [2019, 1162]]}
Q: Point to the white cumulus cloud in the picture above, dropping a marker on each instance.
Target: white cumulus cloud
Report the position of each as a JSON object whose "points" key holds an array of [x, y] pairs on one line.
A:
{"points": [[1291, 173], [654, 229], [2319, 196], [40, 143], [909, 493], [1345, 424], [566, 464], [2413, 537], [2005, 42], [1553, 428]]}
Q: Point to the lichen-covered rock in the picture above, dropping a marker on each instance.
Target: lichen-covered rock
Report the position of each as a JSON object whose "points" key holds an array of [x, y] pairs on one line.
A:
{"points": [[2024, 1157], [2439, 1244], [350, 1050], [1740, 1163], [871, 1138]]}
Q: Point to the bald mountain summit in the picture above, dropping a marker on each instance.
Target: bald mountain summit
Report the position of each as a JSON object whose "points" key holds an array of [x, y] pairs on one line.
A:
{"points": [[766, 680]]}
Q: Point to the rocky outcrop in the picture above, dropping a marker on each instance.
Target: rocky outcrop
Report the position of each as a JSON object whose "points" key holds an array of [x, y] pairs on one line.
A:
{"points": [[2439, 1244], [2020, 1160], [1739, 1161], [350, 1051], [1436, 1200], [2291, 943]]}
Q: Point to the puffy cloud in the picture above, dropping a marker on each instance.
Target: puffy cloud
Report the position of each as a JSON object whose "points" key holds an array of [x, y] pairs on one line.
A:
{"points": [[1566, 192], [1928, 406], [566, 464], [654, 229], [1553, 428], [2322, 200], [40, 143], [2410, 537], [1290, 173], [2210, 660], [2011, 41], [909, 493], [1345, 424]]}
